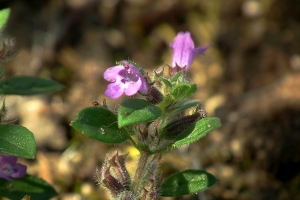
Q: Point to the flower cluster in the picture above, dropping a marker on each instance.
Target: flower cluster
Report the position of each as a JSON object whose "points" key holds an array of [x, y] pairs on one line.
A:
{"points": [[9, 168], [127, 78]]}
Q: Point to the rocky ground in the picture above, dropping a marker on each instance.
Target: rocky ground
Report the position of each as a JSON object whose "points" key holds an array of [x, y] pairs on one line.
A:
{"points": [[249, 78]]}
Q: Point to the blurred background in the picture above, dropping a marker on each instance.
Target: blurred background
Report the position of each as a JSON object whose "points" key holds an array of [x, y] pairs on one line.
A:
{"points": [[249, 78]]}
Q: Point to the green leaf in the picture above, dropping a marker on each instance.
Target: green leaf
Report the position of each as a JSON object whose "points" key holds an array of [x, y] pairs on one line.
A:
{"points": [[187, 182], [17, 141], [4, 17], [101, 124], [178, 77], [201, 129], [166, 82], [183, 90], [137, 110], [193, 133], [25, 85], [183, 105], [29, 185]]}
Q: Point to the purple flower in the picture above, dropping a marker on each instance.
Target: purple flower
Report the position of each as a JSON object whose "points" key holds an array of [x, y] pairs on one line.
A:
{"points": [[9, 168], [126, 79], [184, 50]]}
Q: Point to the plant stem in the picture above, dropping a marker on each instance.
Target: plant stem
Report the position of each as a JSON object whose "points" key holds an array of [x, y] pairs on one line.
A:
{"points": [[141, 168]]}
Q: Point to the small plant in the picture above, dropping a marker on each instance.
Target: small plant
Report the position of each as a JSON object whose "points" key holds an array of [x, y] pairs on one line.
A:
{"points": [[163, 118], [15, 140]]}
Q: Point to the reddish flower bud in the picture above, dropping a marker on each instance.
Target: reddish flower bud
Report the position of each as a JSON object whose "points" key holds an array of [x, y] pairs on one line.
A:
{"points": [[177, 126], [111, 183], [153, 138], [114, 175], [154, 95], [118, 165], [152, 129]]}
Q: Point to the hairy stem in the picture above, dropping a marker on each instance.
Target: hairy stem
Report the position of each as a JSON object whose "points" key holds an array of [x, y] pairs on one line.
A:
{"points": [[140, 171]]}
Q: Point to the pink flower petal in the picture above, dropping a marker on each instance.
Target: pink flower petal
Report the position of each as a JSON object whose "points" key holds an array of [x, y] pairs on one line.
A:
{"points": [[2, 175], [133, 88], [12, 160], [126, 78], [184, 50], [9, 168], [19, 171], [114, 90], [201, 50], [110, 74], [183, 47]]}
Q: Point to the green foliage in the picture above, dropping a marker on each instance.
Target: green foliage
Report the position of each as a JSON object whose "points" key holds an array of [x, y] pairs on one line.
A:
{"points": [[29, 185], [183, 90], [194, 132], [4, 13], [101, 124], [177, 78], [180, 127], [25, 85], [183, 105], [201, 129], [17, 141], [187, 182], [166, 82], [137, 110]]}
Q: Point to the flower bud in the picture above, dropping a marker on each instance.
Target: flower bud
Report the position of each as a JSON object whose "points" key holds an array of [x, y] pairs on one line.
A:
{"points": [[152, 128], [153, 138], [114, 175], [177, 126], [118, 164], [184, 50], [114, 186], [154, 95]]}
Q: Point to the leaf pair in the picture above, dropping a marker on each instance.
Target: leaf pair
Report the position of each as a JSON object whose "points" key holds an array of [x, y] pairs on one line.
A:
{"points": [[179, 89], [103, 125]]}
